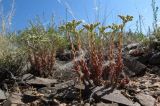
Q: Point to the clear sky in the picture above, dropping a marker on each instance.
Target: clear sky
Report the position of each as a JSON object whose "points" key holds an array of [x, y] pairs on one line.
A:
{"points": [[89, 11]]}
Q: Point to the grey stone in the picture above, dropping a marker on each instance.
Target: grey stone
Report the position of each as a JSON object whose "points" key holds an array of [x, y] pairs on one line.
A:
{"points": [[136, 52], [146, 100], [133, 65], [106, 104], [65, 84], [37, 81], [2, 95], [115, 96], [53, 90]]}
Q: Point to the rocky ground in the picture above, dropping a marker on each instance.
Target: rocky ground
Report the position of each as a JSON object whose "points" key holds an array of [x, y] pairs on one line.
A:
{"points": [[143, 69]]}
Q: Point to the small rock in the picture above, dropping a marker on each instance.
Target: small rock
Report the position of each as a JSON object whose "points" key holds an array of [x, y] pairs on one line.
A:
{"points": [[157, 84], [15, 99], [2, 95], [136, 52], [30, 96], [155, 70], [86, 104], [155, 59], [133, 46], [146, 100], [80, 87], [69, 94], [65, 56], [142, 87], [156, 93], [58, 87]]}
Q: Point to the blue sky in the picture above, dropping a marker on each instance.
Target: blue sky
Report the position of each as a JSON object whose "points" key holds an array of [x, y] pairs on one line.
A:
{"points": [[89, 11]]}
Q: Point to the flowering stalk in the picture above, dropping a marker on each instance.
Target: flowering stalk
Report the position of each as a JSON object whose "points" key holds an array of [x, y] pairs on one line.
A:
{"points": [[112, 66], [96, 57], [124, 19]]}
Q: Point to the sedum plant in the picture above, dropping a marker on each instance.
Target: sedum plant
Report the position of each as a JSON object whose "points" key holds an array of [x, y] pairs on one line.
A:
{"points": [[72, 34], [41, 45], [116, 67], [91, 67], [95, 55]]}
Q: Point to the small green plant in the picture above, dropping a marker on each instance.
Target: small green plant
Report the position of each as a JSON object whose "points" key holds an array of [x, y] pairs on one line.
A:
{"points": [[119, 65], [111, 56], [11, 58], [72, 34], [103, 37], [95, 54], [41, 45]]}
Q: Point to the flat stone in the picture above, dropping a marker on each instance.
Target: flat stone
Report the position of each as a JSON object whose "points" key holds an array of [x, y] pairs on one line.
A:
{"points": [[114, 96], [106, 104], [37, 81], [80, 87], [146, 100], [65, 84], [53, 90]]}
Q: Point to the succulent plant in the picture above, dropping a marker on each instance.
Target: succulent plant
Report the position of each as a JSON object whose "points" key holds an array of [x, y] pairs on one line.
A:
{"points": [[126, 19], [91, 27]]}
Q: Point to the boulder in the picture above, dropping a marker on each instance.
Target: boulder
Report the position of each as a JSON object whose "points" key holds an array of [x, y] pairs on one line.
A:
{"points": [[133, 65], [155, 59]]}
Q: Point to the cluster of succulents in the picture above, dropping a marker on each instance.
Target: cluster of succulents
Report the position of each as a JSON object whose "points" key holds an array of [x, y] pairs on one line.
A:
{"points": [[93, 67]]}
